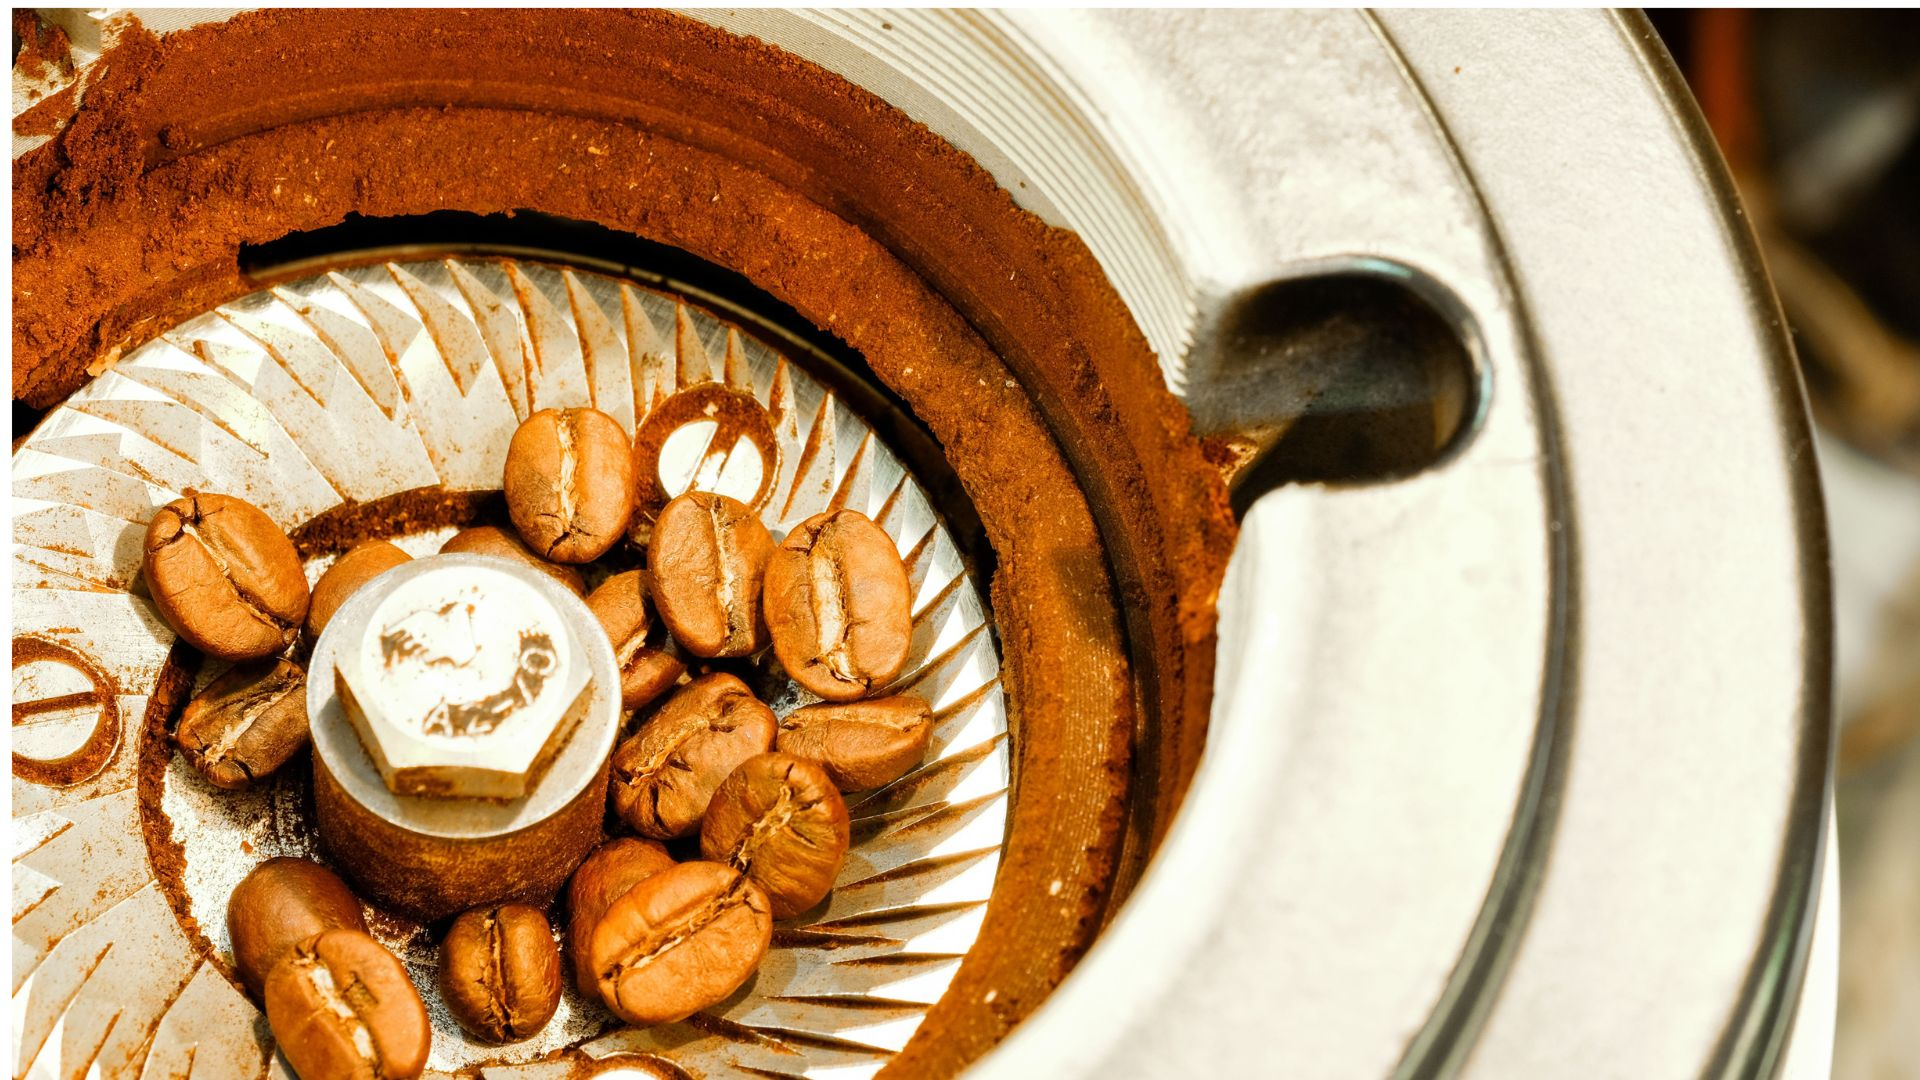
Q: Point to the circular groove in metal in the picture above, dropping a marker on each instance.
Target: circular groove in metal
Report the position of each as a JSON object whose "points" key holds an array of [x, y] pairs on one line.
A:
{"points": [[359, 385]]}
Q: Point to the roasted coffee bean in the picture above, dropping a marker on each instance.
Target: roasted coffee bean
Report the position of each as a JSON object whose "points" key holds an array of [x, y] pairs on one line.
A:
{"points": [[489, 540], [341, 1006], [246, 723], [680, 941], [280, 904], [569, 483], [708, 557], [362, 563], [500, 972], [781, 820], [861, 744], [605, 876], [225, 577], [838, 605], [647, 670], [665, 773]]}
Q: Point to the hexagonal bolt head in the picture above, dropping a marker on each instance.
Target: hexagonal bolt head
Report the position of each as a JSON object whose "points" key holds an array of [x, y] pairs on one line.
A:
{"points": [[462, 682]]}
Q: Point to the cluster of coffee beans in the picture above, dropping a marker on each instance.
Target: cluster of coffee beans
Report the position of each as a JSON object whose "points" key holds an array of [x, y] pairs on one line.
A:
{"points": [[659, 940], [654, 938], [339, 1003]]}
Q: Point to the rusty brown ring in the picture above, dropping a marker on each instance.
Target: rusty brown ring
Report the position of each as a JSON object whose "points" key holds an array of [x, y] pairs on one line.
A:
{"points": [[90, 756], [1000, 333]]}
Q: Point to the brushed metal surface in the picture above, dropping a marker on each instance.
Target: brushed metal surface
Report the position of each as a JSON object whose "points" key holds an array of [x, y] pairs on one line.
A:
{"points": [[1503, 789], [1409, 851]]}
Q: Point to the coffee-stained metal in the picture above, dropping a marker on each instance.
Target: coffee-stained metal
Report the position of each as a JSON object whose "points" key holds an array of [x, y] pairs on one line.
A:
{"points": [[463, 679], [429, 813], [1517, 764], [1563, 616], [377, 380]]}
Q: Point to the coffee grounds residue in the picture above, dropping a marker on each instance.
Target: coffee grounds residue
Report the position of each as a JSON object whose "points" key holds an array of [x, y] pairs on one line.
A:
{"points": [[1001, 333], [44, 48]]}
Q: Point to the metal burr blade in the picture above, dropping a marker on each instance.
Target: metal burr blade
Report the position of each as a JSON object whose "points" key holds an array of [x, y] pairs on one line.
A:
{"points": [[354, 386]]}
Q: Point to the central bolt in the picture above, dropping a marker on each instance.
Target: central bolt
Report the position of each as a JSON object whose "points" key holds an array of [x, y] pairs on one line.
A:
{"points": [[461, 682], [460, 747]]}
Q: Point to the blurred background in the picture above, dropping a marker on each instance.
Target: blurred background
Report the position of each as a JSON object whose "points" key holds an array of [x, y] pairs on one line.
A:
{"points": [[1818, 113]]}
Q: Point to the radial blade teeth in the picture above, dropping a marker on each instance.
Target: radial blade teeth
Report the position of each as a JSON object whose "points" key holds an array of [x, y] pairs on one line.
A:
{"points": [[880, 1024], [945, 829], [734, 367], [456, 427], [305, 360], [308, 393], [937, 928], [104, 987], [559, 370], [317, 404], [33, 832], [208, 1031], [921, 977], [813, 480], [690, 355], [652, 370], [499, 323], [609, 374], [105, 492], [938, 623], [855, 490], [781, 405], [892, 515], [457, 337], [124, 452], [82, 543], [937, 879], [785, 414], [866, 829], [927, 786], [951, 674], [920, 560], [356, 346]]}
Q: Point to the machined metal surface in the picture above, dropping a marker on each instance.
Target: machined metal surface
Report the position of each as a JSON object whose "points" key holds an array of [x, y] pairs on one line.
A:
{"points": [[456, 787], [1518, 762], [360, 385], [464, 678]]}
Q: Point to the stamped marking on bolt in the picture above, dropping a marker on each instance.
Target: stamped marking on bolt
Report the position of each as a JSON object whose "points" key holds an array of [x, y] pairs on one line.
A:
{"points": [[461, 681], [416, 641]]}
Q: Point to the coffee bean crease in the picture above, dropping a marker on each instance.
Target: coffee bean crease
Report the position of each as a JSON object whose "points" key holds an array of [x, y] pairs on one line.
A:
{"points": [[644, 952], [341, 1002], [252, 707]]}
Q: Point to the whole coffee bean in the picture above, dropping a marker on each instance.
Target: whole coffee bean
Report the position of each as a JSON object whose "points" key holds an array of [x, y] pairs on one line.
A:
{"points": [[781, 820], [680, 941], [605, 876], [838, 605], [341, 1006], [489, 540], [280, 904], [708, 557], [362, 563], [861, 744], [500, 972], [665, 773], [225, 577], [246, 723], [647, 670], [569, 483]]}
